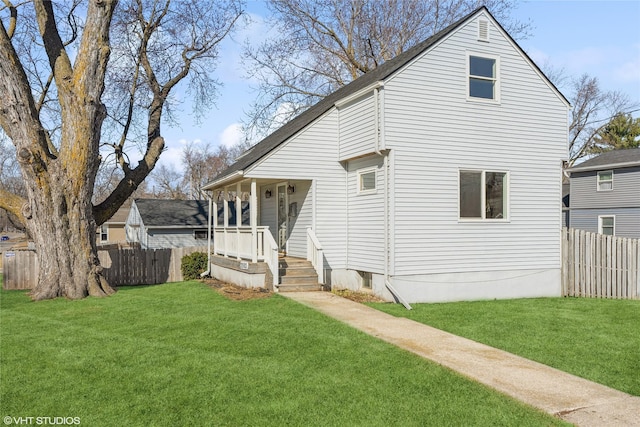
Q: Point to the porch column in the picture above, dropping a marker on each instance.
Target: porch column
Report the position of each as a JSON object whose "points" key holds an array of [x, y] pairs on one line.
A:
{"points": [[238, 216], [253, 210], [225, 205], [214, 220]]}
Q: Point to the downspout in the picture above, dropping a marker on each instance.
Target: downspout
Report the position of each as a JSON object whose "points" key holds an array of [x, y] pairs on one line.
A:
{"points": [[379, 134], [208, 272]]}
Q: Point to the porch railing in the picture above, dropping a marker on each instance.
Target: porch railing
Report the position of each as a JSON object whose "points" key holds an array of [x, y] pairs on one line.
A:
{"points": [[271, 257], [315, 254], [238, 242]]}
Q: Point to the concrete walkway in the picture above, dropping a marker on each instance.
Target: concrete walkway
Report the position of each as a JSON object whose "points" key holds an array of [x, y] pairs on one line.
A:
{"points": [[573, 399]]}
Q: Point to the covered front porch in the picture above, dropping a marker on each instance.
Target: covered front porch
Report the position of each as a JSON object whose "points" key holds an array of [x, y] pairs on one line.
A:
{"points": [[255, 223]]}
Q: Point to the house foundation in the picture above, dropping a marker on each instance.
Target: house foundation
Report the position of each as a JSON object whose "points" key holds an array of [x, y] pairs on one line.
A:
{"points": [[241, 272]]}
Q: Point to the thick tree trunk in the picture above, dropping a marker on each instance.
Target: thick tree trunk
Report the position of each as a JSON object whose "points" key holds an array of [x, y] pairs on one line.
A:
{"points": [[64, 233]]}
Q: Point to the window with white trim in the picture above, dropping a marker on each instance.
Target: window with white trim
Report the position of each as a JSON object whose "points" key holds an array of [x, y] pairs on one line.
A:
{"points": [[607, 225], [605, 180], [483, 77], [483, 195], [366, 181], [104, 233]]}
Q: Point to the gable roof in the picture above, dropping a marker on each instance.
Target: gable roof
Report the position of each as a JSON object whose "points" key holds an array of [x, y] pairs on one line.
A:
{"points": [[610, 160], [173, 213], [120, 217], [379, 73]]}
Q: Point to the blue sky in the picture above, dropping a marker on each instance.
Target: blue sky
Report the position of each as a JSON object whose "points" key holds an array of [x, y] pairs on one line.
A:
{"points": [[600, 38]]}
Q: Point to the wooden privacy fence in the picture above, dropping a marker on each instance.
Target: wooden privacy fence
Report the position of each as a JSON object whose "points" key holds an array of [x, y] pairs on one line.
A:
{"points": [[122, 267], [595, 265]]}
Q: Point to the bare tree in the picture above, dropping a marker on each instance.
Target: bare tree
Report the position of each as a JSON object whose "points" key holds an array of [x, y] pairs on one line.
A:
{"points": [[168, 183], [320, 45], [202, 163], [156, 45], [593, 108]]}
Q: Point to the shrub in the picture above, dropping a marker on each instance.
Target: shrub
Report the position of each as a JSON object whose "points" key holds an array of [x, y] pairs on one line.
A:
{"points": [[193, 265]]}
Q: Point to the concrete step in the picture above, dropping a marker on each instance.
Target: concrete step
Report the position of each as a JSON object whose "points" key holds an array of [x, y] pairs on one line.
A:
{"points": [[298, 271], [306, 280], [288, 262], [300, 287]]}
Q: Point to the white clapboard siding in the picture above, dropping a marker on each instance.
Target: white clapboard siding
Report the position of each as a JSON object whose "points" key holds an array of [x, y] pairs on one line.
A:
{"points": [[312, 155], [357, 127], [366, 219], [434, 131]]}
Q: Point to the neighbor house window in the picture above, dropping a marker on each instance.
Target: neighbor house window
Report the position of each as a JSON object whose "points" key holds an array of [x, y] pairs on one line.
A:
{"points": [[607, 225], [483, 77], [200, 234], [104, 233], [483, 195], [605, 180], [367, 181]]}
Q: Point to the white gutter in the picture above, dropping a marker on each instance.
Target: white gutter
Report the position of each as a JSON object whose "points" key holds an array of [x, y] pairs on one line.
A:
{"points": [[362, 92], [226, 180]]}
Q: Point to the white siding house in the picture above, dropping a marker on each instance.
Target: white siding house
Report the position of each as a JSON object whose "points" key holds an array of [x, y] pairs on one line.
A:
{"points": [[438, 173], [159, 224]]}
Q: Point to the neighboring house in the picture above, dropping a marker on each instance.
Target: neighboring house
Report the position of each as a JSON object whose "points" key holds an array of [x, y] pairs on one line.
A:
{"points": [[157, 224], [437, 174], [112, 232], [605, 194]]}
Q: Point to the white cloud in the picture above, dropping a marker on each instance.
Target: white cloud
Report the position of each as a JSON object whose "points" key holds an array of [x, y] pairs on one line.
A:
{"points": [[172, 157], [231, 135], [629, 69]]}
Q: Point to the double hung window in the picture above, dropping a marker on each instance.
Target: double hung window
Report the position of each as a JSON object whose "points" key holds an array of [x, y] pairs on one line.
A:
{"points": [[605, 181], [483, 77]]}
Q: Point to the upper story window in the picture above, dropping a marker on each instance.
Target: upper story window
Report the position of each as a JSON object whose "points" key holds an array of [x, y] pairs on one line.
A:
{"points": [[483, 195], [366, 181], [483, 77], [605, 181]]}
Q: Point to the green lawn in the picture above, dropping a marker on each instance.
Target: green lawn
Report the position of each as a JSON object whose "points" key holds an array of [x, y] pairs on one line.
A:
{"points": [[181, 354], [596, 339]]}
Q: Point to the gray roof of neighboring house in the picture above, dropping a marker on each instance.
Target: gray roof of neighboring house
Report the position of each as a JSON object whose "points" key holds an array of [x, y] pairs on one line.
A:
{"points": [[610, 160], [173, 213], [120, 217], [380, 73]]}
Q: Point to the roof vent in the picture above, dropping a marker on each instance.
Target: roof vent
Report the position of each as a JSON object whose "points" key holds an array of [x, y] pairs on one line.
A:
{"points": [[483, 30]]}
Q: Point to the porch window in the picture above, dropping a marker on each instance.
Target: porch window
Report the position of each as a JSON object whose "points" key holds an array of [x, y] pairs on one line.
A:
{"points": [[366, 181], [483, 77], [605, 181], [607, 225], [483, 195]]}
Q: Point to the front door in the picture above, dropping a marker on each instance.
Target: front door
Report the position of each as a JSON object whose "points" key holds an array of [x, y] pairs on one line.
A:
{"points": [[282, 218]]}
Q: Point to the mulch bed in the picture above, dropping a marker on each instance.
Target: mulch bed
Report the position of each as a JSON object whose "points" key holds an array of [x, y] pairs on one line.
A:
{"points": [[237, 293], [358, 296]]}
